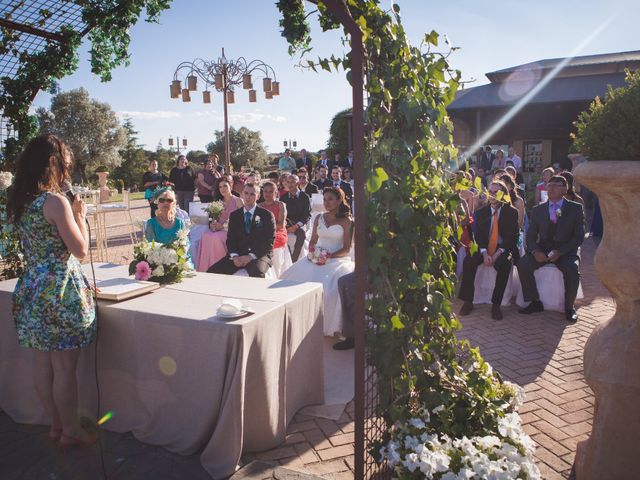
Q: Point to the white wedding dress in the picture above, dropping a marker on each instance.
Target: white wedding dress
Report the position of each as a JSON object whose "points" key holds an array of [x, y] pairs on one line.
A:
{"points": [[329, 238]]}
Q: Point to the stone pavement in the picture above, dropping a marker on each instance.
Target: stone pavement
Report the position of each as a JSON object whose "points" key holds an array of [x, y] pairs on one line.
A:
{"points": [[541, 352]]}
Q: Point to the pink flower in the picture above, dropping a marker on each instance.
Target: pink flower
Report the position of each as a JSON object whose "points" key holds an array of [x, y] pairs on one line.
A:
{"points": [[143, 271]]}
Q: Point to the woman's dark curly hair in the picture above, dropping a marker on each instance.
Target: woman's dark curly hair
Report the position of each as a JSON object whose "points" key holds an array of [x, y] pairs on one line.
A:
{"points": [[344, 211]]}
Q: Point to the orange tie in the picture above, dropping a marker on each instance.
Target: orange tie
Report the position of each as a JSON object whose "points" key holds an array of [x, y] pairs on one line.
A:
{"points": [[493, 236]]}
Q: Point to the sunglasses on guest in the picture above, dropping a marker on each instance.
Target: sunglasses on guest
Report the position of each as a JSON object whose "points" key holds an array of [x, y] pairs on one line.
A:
{"points": [[165, 200]]}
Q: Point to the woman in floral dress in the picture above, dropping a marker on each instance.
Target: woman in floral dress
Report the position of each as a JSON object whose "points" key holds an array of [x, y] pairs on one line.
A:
{"points": [[53, 306]]}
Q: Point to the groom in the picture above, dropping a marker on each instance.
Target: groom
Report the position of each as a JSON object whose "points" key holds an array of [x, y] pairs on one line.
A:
{"points": [[249, 239]]}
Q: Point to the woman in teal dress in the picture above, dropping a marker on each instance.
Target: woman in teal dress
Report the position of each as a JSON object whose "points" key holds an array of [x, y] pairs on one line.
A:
{"points": [[53, 305], [164, 227]]}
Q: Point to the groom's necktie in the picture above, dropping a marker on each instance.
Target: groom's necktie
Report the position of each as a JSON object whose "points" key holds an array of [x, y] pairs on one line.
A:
{"points": [[247, 222]]}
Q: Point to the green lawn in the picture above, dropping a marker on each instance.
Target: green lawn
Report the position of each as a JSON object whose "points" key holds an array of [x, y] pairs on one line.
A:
{"points": [[132, 196]]}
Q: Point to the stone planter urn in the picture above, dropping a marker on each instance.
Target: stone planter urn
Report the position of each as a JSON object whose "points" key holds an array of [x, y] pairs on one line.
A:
{"points": [[105, 193], [612, 353]]}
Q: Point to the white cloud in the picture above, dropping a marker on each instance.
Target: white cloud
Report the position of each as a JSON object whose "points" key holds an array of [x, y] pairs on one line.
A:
{"points": [[149, 115], [256, 117]]}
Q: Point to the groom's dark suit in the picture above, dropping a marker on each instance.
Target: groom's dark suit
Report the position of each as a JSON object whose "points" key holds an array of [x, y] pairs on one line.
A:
{"points": [[507, 241], [565, 236], [257, 243]]}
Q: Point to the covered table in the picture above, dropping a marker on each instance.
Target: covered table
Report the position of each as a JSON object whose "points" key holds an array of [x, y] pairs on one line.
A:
{"points": [[177, 376]]}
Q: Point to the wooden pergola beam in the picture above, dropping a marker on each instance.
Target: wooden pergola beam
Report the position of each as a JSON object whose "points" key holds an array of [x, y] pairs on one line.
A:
{"points": [[21, 27]]}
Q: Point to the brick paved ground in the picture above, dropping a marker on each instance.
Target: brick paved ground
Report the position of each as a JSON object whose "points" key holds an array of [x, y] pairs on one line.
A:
{"points": [[541, 352]]}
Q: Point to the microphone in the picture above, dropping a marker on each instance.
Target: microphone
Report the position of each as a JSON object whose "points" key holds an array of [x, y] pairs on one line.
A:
{"points": [[67, 189]]}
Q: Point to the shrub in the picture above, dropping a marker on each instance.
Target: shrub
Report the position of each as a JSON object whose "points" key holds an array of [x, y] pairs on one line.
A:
{"points": [[609, 129]]}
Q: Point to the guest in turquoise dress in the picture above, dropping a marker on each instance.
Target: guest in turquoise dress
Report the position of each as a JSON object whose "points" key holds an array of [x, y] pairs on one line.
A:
{"points": [[164, 227], [53, 306]]}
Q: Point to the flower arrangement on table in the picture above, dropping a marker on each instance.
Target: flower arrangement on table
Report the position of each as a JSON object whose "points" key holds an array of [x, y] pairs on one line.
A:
{"points": [[162, 263], [318, 255], [419, 449]]}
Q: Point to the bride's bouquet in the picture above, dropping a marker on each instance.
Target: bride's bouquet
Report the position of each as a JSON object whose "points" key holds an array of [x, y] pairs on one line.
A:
{"points": [[318, 255], [162, 263], [214, 210]]}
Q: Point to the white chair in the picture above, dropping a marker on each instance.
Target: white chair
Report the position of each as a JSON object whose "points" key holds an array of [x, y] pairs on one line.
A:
{"points": [[95, 225], [550, 283], [281, 261], [124, 206], [485, 282]]}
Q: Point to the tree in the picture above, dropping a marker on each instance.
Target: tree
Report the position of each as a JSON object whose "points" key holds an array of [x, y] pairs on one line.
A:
{"points": [[90, 128], [134, 160], [339, 132], [245, 145], [196, 156]]}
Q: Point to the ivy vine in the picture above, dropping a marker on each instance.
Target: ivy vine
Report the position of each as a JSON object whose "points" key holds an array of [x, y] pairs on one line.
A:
{"points": [[110, 22], [409, 214]]}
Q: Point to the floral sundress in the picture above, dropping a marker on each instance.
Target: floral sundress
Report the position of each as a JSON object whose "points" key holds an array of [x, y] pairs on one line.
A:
{"points": [[53, 306]]}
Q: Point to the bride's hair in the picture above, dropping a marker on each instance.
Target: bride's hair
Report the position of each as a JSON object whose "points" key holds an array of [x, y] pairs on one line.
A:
{"points": [[344, 211]]}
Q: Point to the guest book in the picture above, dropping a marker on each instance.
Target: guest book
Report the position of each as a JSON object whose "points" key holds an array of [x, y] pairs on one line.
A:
{"points": [[119, 289]]}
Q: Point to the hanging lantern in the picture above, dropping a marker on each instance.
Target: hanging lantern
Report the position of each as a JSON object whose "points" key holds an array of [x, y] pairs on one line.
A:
{"points": [[171, 142], [295, 144], [192, 83], [175, 89], [219, 81], [268, 95], [252, 96], [206, 96], [275, 88], [285, 143], [185, 95], [266, 84], [184, 142], [231, 98], [246, 81]]}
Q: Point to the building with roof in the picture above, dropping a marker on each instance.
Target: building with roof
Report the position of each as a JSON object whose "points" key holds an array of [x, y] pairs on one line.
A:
{"points": [[544, 99]]}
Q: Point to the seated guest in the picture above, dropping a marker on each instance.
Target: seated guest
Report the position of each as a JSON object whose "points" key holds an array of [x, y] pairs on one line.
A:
{"points": [[496, 233], [164, 227], [556, 230], [298, 208], [205, 180], [282, 184], [541, 186], [571, 193], [337, 182], [515, 199], [322, 182], [347, 177], [250, 238], [213, 244], [237, 185], [304, 161], [279, 211], [304, 184]]}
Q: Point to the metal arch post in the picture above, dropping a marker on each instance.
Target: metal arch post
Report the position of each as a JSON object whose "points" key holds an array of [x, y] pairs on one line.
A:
{"points": [[340, 10]]}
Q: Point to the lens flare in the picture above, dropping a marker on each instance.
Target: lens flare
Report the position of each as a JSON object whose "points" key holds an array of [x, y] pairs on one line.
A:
{"points": [[167, 366], [107, 416]]}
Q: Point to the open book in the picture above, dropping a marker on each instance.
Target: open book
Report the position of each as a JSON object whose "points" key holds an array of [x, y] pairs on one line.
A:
{"points": [[122, 288]]}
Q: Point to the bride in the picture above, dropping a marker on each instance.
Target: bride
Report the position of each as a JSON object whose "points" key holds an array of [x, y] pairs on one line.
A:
{"points": [[332, 234]]}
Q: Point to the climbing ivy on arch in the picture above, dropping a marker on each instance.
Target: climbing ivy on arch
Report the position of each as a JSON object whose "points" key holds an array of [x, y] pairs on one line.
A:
{"points": [[410, 222]]}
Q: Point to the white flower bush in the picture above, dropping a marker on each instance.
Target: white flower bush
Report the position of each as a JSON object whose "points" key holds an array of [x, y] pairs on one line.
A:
{"points": [[416, 450], [6, 179]]}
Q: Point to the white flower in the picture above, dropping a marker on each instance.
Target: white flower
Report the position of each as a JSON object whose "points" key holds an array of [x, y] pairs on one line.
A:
{"points": [[438, 409], [488, 441], [158, 271], [509, 426], [6, 179], [257, 218], [417, 423]]}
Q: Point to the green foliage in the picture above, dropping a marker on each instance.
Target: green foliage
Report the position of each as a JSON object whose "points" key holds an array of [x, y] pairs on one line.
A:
{"points": [[110, 22], [339, 133], [90, 127], [295, 27], [409, 217], [609, 129], [246, 148]]}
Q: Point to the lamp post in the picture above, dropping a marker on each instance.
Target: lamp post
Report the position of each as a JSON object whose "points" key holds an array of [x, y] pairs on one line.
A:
{"points": [[290, 144], [224, 75], [184, 143]]}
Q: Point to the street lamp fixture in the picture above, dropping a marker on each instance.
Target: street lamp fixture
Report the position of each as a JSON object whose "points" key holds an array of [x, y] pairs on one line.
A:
{"points": [[177, 143], [290, 143], [225, 76]]}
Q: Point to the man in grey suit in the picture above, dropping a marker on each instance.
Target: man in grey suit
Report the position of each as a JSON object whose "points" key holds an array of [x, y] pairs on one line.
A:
{"points": [[556, 230]]}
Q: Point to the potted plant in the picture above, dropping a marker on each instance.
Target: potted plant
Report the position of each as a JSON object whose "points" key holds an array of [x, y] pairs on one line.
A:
{"points": [[103, 173], [608, 134]]}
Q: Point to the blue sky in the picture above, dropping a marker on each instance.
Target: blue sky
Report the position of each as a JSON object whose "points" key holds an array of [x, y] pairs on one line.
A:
{"points": [[491, 34]]}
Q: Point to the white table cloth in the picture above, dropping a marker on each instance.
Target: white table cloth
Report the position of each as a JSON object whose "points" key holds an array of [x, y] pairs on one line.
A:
{"points": [[176, 375]]}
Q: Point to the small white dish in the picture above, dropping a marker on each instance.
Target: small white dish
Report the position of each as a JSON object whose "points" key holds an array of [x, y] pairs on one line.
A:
{"points": [[240, 313]]}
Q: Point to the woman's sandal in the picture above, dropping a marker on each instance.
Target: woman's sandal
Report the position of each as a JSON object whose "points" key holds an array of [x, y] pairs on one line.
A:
{"points": [[66, 442]]}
